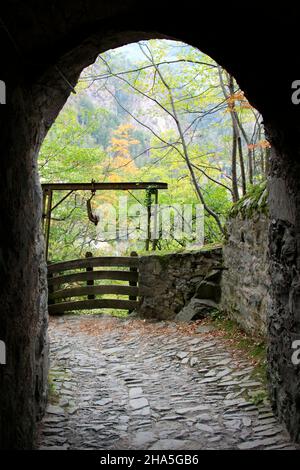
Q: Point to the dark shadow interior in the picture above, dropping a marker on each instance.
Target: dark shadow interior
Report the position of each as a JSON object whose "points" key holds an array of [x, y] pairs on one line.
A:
{"points": [[44, 49]]}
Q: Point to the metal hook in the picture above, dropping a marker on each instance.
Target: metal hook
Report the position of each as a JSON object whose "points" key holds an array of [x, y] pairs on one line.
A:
{"points": [[92, 217]]}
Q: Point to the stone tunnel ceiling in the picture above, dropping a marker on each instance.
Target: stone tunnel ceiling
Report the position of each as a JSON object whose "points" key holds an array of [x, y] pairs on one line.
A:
{"points": [[38, 40]]}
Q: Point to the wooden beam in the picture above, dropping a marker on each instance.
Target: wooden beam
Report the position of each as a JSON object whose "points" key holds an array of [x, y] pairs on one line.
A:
{"points": [[60, 308], [89, 276], [62, 199], [93, 262], [103, 186], [94, 290]]}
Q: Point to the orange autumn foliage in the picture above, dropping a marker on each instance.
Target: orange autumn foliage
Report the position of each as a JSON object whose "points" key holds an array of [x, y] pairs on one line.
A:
{"points": [[264, 144], [120, 145], [240, 97]]}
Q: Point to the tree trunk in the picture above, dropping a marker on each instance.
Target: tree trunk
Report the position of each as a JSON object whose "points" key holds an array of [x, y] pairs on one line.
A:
{"points": [[242, 166], [235, 191]]}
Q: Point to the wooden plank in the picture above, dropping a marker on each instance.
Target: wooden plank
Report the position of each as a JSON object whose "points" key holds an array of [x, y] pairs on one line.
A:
{"points": [[104, 186], [91, 305], [94, 290], [88, 276], [125, 261]]}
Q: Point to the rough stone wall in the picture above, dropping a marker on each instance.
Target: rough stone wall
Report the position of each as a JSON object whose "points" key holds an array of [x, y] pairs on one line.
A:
{"points": [[246, 281], [284, 312], [23, 318], [169, 283]]}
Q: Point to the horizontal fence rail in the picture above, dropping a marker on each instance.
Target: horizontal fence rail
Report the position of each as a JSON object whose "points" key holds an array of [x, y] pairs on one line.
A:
{"points": [[123, 261], [72, 285]]}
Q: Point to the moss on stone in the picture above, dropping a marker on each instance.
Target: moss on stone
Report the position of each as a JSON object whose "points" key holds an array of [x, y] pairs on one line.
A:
{"points": [[254, 202]]}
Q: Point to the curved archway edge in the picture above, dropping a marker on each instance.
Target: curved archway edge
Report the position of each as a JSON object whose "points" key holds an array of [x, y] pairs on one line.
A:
{"points": [[40, 42]]}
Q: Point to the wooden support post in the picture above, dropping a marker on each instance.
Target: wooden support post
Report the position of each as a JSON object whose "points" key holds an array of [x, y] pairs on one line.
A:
{"points": [[149, 203], [89, 269], [133, 283], [48, 221], [44, 209], [155, 222]]}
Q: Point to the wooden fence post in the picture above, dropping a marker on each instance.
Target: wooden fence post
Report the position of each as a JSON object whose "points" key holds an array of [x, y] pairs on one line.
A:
{"points": [[89, 269], [133, 283]]}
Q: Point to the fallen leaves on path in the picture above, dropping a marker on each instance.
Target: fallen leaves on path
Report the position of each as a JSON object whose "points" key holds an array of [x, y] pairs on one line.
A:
{"points": [[97, 326], [126, 329]]}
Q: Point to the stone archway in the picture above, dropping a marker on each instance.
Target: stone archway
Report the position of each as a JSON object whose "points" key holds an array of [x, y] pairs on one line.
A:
{"points": [[43, 61]]}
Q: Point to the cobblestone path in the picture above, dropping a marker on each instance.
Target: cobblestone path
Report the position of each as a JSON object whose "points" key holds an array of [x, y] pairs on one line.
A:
{"points": [[128, 384]]}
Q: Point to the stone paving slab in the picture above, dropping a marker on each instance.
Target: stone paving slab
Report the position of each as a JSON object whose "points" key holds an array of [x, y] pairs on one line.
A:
{"points": [[123, 384]]}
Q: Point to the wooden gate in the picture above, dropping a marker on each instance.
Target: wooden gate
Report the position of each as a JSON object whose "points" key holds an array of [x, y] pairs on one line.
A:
{"points": [[73, 284]]}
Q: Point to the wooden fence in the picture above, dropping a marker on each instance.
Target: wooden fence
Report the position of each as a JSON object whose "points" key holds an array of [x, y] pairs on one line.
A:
{"points": [[73, 285]]}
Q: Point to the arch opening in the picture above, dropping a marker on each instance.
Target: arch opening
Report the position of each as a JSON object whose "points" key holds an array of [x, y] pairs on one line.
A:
{"points": [[128, 147], [43, 98]]}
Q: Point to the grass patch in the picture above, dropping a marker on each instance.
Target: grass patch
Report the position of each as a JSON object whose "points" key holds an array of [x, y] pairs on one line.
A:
{"points": [[185, 250], [114, 312], [253, 348], [257, 398]]}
